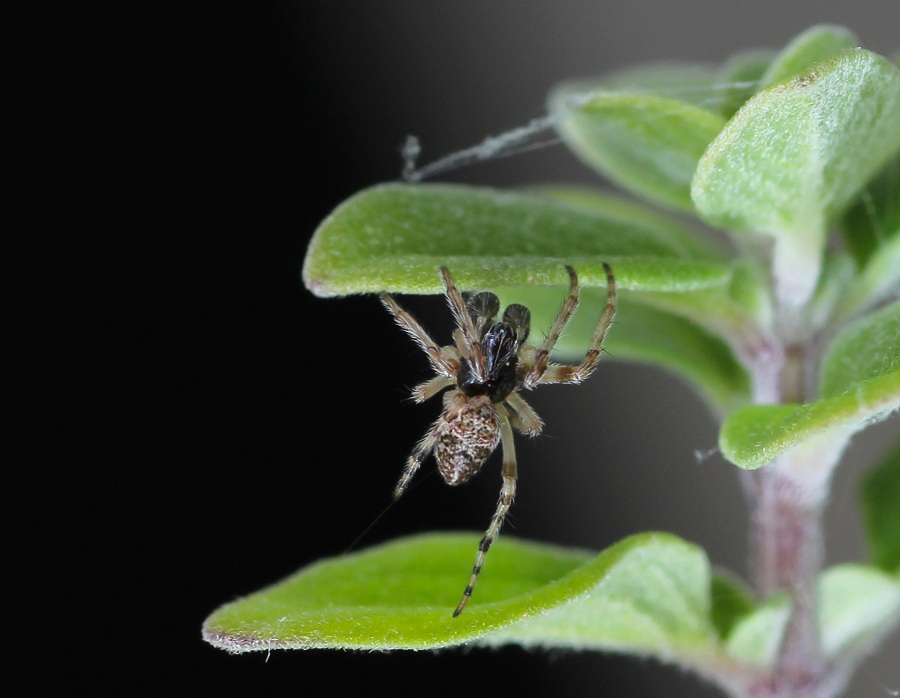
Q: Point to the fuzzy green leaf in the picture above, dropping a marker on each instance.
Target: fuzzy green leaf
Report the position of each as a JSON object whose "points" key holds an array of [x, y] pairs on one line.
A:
{"points": [[690, 242], [648, 594], [858, 605], [860, 383], [394, 237], [796, 154], [880, 494], [753, 436], [647, 143], [866, 349], [811, 46]]}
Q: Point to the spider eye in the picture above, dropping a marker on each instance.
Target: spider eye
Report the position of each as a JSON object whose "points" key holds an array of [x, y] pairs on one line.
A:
{"points": [[520, 318], [483, 307]]}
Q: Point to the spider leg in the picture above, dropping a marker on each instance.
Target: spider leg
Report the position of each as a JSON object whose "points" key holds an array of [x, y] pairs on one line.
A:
{"points": [[417, 457], [430, 388], [471, 344], [523, 416], [541, 358], [439, 362], [543, 372], [460, 341], [507, 493]]}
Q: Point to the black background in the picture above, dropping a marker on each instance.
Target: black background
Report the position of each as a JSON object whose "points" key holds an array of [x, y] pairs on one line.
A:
{"points": [[187, 423]]}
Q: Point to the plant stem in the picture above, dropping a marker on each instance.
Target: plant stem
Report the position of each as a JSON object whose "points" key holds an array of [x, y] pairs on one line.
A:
{"points": [[787, 534], [788, 557]]}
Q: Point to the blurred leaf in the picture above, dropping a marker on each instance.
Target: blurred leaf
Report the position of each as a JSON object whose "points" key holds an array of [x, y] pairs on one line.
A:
{"points": [[857, 605], [394, 237], [731, 602], [796, 154], [735, 312], [880, 495], [642, 333], [756, 637], [693, 83], [867, 348], [811, 46], [875, 216], [740, 78], [646, 143], [838, 276], [871, 230], [648, 594], [674, 232]]}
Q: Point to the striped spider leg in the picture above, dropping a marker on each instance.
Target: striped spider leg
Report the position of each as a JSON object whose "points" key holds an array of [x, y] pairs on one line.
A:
{"points": [[482, 372]]}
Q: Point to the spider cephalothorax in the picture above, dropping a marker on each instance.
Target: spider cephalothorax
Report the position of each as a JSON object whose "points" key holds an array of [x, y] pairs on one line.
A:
{"points": [[485, 367]]}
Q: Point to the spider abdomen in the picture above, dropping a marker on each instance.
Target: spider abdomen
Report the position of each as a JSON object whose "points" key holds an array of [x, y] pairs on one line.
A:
{"points": [[469, 436]]}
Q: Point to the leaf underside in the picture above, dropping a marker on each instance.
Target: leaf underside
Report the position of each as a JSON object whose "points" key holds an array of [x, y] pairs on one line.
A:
{"points": [[648, 594], [394, 237]]}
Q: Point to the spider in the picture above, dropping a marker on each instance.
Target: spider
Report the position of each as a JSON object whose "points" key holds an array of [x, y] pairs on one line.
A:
{"points": [[485, 367]]}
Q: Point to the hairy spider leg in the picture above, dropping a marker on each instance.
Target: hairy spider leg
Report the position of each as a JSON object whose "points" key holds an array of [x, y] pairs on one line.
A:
{"points": [[544, 372], [507, 493], [418, 456], [441, 364], [430, 388], [523, 416], [471, 341], [566, 311]]}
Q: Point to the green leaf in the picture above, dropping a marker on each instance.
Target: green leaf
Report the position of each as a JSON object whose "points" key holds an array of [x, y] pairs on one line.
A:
{"points": [[871, 230], [875, 216], [866, 349], [647, 143], [731, 603], [860, 383], [693, 83], [796, 154], [690, 242], [880, 495], [811, 46], [754, 436], [756, 637], [736, 312], [643, 333], [857, 605], [819, 315], [648, 594], [740, 77], [394, 237]]}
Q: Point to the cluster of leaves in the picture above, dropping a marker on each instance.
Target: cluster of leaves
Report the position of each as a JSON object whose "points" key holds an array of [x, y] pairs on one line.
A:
{"points": [[773, 150]]}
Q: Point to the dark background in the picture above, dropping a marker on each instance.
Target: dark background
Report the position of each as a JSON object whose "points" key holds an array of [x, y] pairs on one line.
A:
{"points": [[187, 423]]}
